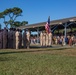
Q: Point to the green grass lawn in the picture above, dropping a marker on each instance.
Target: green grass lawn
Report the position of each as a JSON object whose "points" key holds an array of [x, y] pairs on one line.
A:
{"points": [[38, 62]]}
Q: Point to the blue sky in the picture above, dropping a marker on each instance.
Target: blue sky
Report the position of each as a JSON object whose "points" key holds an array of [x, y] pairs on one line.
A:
{"points": [[35, 11]]}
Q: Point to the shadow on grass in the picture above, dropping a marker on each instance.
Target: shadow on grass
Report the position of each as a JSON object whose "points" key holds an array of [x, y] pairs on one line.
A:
{"points": [[7, 58], [32, 49]]}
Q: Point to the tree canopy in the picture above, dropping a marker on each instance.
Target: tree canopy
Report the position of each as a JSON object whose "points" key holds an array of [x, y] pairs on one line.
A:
{"points": [[12, 14]]}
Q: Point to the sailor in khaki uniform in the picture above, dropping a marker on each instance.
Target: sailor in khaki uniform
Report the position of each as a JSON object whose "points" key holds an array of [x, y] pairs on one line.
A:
{"points": [[47, 39], [44, 39], [50, 39], [28, 39], [17, 38]]}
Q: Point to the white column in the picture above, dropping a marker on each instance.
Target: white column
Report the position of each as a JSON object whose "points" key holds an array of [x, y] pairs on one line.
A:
{"points": [[65, 28], [37, 34]]}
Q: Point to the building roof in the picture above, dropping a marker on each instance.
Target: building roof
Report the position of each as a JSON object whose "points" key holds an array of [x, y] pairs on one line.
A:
{"points": [[52, 23]]}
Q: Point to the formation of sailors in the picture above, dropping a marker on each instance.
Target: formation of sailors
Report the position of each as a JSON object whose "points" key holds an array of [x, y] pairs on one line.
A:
{"points": [[16, 39], [45, 39], [13, 38]]}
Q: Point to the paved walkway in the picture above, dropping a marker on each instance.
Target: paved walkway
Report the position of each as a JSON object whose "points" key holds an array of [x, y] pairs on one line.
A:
{"points": [[53, 46]]}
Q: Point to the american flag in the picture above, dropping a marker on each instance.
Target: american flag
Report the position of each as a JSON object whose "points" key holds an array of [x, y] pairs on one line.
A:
{"points": [[47, 25]]}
